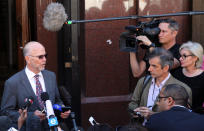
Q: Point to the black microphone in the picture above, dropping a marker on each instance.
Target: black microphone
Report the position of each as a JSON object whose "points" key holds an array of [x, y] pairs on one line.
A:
{"points": [[52, 119], [28, 101]]}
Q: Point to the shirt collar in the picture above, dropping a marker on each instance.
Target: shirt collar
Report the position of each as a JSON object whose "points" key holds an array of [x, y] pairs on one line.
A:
{"points": [[182, 107], [163, 82], [30, 74]]}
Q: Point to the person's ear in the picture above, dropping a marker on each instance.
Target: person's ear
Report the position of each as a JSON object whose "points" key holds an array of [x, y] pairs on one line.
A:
{"points": [[27, 58], [174, 33], [166, 68], [171, 101], [196, 59]]}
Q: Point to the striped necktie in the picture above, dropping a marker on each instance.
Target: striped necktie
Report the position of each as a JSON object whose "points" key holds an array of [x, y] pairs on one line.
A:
{"points": [[39, 91]]}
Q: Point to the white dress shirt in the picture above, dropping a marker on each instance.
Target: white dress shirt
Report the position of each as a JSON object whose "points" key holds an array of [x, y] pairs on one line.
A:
{"points": [[154, 91], [31, 78]]}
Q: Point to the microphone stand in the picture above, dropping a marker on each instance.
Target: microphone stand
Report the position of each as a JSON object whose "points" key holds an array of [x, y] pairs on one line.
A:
{"points": [[72, 114], [69, 22]]}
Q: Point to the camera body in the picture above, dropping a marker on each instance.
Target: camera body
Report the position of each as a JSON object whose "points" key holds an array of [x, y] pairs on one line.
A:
{"points": [[128, 41]]}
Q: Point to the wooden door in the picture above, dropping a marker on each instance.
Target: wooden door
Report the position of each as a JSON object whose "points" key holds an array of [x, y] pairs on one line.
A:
{"points": [[22, 29], [14, 33]]}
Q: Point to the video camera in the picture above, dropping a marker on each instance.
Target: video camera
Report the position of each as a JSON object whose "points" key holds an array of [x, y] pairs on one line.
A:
{"points": [[128, 41]]}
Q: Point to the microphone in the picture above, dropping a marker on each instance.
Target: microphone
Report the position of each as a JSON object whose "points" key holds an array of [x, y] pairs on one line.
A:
{"points": [[57, 107], [93, 121], [54, 17], [52, 119], [60, 108], [28, 101]]}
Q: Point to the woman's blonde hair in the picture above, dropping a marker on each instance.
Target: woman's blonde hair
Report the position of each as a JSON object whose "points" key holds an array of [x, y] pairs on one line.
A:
{"points": [[196, 49]]}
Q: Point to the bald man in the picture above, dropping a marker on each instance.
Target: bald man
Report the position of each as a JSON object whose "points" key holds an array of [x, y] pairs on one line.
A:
{"points": [[31, 82]]}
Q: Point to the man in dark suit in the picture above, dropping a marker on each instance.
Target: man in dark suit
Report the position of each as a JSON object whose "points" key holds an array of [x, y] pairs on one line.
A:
{"points": [[31, 82], [174, 116]]}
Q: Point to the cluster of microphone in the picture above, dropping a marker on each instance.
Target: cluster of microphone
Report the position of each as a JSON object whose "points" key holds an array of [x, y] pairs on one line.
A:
{"points": [[50, 110]]}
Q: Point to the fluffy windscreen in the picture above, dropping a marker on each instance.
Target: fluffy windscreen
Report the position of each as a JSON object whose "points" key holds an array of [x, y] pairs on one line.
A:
{"points": [[54, 17]]}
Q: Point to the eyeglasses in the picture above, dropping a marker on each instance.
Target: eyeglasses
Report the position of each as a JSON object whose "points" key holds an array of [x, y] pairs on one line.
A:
{"points": [[160, 97], [40, 56], [185, 56], [175, 99]]}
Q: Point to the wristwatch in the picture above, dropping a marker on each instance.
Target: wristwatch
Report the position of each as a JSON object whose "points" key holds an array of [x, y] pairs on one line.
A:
{"points": [[152, 45]]}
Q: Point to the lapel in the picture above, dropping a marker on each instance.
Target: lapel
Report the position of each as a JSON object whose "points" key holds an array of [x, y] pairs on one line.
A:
{"points": [[169, 81], [47, 81], [26, 84], [29, 90]]}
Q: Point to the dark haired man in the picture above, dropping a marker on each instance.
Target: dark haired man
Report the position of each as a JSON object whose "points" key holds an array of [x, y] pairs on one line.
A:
{"points": [[167, 37], [144, 96], [174, 114]]}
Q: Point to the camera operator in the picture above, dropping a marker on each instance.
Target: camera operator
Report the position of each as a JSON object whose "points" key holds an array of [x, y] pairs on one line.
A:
{"points": [[167, 38]]}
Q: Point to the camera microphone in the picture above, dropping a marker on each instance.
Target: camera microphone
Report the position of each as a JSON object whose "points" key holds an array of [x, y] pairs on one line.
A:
{"points": [[54, 17]]}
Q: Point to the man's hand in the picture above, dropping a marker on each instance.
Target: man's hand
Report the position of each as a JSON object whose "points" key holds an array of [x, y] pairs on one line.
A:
{"points": [[40, 115], [22, 117], [144, 40], [65, 114], [144, 111]]}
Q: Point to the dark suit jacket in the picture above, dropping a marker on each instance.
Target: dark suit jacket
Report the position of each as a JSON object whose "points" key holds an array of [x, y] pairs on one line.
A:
{"points": [[18, 87], [176, 119]]}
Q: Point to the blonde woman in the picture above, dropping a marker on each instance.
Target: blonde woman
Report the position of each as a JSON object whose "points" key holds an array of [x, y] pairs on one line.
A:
{"points": [[191, 73]]}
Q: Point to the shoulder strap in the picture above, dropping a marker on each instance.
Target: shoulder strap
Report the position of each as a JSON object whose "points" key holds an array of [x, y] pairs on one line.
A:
{"points": [[146, 80]]}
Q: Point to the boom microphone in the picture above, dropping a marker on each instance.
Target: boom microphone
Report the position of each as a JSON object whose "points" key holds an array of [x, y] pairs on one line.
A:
{"points": [[28, 101], [52, 119], [54, 17]]}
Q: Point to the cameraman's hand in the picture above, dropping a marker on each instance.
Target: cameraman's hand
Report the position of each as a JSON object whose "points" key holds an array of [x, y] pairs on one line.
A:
{"points": [[144, 111], [144, 40]]}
